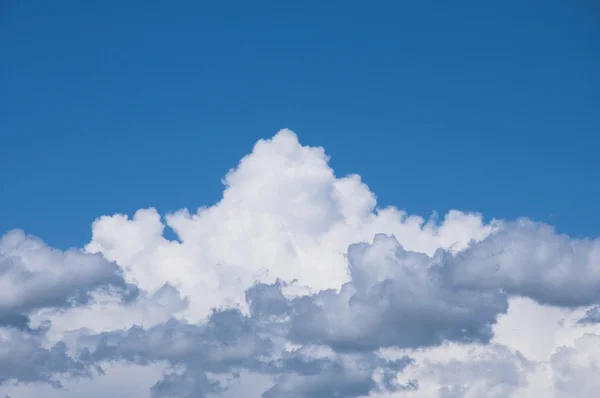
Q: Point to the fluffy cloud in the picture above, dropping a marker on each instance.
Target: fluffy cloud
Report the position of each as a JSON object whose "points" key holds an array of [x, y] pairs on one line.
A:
{"points": [[228, 341], [395, 298], [458, 371], [576, 368], [398, 298], [24, 359], [35, 276], [529, 259], [284, 214], [296, 285], [317, 372]]}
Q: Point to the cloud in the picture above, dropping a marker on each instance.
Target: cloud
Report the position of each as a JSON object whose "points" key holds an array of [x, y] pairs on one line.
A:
{"points": [[395, 298], [108, 313], [295, 284], [191, 383], [231, 342], [284, 214], [531, 260], [317, 372], [17, 321], [398, 298], [495, 373], [575, 368], [35, 276], [226, 342], [24, 359], [592, 316]]}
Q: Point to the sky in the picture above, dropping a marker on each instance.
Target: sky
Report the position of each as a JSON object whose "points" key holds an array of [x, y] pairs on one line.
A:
{"points": [[108, 107], [299, 199]]}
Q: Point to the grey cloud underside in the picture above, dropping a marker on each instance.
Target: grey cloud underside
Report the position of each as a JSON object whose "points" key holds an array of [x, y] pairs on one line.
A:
{"points": [[227, 340], [230, 342], [530, 260], [187, 384], [394, 298], [24, 359], [34, 276], [336, 376], [18, 321]]}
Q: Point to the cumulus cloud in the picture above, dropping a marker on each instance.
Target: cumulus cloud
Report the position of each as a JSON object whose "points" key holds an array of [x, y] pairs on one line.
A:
{"points": [[24, 359], [295, 284], [284, 214], [318, 372], [396, 298], [496, 372], [35, 276], [227, 342], [108, 313], [576, 368], [531, 260]]}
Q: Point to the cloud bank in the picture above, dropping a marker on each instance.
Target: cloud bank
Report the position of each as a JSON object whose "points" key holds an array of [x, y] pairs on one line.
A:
{"points": [[295, 284]]}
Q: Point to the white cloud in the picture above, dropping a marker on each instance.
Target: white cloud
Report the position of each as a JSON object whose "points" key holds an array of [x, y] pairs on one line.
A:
{"points": [[576, 368], [284, 214], [436, 292]]}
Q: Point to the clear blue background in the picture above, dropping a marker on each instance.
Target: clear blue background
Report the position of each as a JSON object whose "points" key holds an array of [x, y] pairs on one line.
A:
{"points": [[116, 105]]}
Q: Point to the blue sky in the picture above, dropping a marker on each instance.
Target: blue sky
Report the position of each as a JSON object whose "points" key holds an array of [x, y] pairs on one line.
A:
{"points": [[114, 106]]}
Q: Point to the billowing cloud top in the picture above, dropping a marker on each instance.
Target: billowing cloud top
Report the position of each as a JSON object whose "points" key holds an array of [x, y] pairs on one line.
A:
{"points": [[295, 284]]}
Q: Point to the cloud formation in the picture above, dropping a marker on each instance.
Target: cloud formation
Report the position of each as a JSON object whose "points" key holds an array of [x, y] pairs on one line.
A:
{"points": [[296, 285], [23, 358], [531, 260], [34, 276], [284, 214]]}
